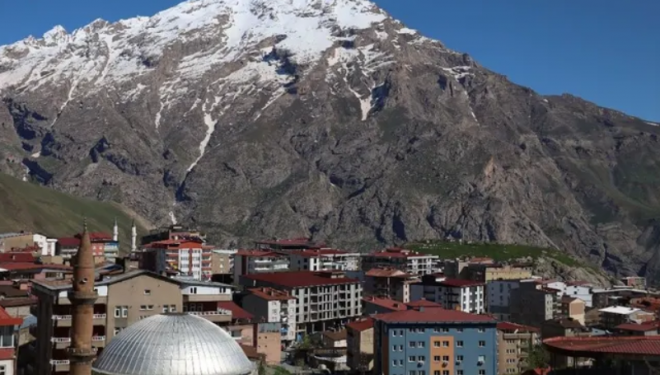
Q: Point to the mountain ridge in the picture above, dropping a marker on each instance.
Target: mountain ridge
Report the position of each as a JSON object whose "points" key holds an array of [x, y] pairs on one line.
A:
{"points": [[327, 119]]}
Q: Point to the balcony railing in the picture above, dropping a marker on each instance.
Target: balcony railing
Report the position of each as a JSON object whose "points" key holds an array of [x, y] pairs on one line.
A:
{"points": [[69, 317], [98, 338], [207, 313], [59, 362], [60, 339]]}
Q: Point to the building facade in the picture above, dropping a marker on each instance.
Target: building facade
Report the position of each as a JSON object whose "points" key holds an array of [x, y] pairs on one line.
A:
{"points": [[222, 262], [498, 300], [9, 326], [389, 283], [434, 342], [324, 300], [514, 343], [453, 294], [360, 345], [408, 261], [248, 262], [189, 258], [273, 306], [323, 260], [532, 305]]}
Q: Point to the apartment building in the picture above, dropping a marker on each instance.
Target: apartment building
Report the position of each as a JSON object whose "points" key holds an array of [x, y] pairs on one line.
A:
{"points": [[360, 345], [173, 232], [408, 261], [46, 246], [532, 304], [434, 341], [103, 246], [273, 306], [8, 331], [453, 294], [575, 289], [324, 300], [486, 271], [248, 262], [562, 327], [123, 299], [637, 282], [498, 298], [615, 315], [573, 308], [323, 260], [189, 258], [222, 262], [390, 283], [514, 343]]}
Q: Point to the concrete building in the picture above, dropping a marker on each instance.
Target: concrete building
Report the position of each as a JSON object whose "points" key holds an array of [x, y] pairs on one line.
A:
{"points": [[486, 271], [636, 282], [323, 299], [360, 345], [434, 341], [638, 329], [389, 283], [190, 258], [103, 246], [123, 299], [563, 328], [514, 343], [19, 240], [573, 308], [323, 260], [222, 262], [174, 232], [267, 341], [453, 294], [9, 326], [408, 261], [498, 298], [380, 305], [273, 306], [575, 289], [289, 244], [531, 304], [615, 315], [335, 339], [248, 262]]}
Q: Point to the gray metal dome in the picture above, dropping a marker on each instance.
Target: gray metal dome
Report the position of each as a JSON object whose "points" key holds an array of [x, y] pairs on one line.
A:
{"points": [[173, 344]]}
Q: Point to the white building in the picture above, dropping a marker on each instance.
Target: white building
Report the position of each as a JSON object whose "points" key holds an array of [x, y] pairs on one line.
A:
{"points": [[248, 262], [407, 261], [273, 306], [499, 298], [452, 294], [323, 260], [189, 258], [577, 289]]}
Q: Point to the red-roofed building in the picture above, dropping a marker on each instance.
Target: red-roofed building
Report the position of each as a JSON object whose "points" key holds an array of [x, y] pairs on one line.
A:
{"points": [[188, 257], [27, 257], [453, 294], [248, 262], [514, 342], [360, 345], [408, 261], [638, 329], [8, 328], [32, 271], [380, 305], [421, 304], [323, 299], [273, 306], [389, 283], [323, 260]]}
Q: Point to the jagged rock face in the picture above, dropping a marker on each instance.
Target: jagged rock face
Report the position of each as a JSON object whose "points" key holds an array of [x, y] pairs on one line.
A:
{"points": [[324, 118]]}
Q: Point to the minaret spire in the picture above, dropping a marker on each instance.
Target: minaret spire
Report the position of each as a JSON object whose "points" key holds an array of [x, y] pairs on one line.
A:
{"points": [[115, 231], [82, 297], [133, 237]]}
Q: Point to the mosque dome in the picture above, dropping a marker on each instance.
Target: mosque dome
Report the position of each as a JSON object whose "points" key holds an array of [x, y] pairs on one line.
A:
{"points": [[173, 344]]}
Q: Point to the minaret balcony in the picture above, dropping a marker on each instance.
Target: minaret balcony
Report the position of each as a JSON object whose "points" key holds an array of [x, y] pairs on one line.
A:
{"points": [[84, 296]]}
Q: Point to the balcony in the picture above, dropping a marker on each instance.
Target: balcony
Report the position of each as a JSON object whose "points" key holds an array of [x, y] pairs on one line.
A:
{"points": [[60, 365], [213, 316], [66, 320]]}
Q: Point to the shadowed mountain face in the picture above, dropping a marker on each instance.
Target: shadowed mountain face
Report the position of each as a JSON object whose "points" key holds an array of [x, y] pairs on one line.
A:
{"points": [[329, 119]]}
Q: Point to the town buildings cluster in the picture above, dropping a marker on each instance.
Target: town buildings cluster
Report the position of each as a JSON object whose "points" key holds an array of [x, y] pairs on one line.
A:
{"points": [[393, 311]]}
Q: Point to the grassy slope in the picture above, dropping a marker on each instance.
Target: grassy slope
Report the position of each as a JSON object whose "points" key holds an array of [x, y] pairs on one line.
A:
{"points": [[499, 252], [30, 207]]}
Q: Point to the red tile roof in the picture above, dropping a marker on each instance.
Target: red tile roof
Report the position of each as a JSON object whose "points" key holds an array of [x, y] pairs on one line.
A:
{"points": [[69, 242], [361, 325], [8, 320], [25, 266], [643, 327], [236, 311], [433, 315], [584, 346], [7, 353], [386, 303], [16, 257], [14, 302], [507, 326], [271, 294], [423, 303], [299, 279]]}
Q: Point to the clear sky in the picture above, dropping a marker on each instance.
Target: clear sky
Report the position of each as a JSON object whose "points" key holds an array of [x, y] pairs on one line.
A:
{"points": [[606, 51]]}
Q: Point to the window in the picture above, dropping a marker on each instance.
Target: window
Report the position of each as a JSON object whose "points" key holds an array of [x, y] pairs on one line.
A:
{"points": [[401, 333], [394, 348], [436, 372], [482, 344], [412, 372], [436, 358], [445, 372], [117, 330], [421, 344], [459, 372], [459, 344], [143, 307], [436, 330], [436, 344], [117, 312], [172, 308], [445, 344], [482, 372], [124, 311], [412, 344], [394, 362], [481, 330], [445, 358], [445, 330], [459, 357], [459, 329], [147, 292], [411, 358]]}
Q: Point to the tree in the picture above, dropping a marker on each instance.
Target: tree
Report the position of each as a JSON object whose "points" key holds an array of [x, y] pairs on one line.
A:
{"points": [[262, 368], [538, 358]]}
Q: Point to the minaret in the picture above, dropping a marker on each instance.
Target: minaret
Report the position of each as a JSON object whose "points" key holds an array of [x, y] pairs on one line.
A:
{"points": [[115, 232], [82, 297], [133, 237]]}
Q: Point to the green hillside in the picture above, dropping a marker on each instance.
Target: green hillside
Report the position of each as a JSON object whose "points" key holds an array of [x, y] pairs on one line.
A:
{"points": [[30, 207]]}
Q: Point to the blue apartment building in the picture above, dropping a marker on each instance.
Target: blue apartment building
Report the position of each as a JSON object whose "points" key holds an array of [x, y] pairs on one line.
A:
{"points": [[434, 341]]}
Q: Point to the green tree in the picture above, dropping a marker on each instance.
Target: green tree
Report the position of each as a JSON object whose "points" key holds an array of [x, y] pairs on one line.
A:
{"points": [[538, 358]]}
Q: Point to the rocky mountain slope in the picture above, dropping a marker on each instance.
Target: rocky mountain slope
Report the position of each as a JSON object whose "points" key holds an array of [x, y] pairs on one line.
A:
{"points": [[256, 118]]}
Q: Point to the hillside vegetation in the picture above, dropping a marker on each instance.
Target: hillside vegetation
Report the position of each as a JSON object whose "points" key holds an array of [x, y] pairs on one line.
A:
{"points": [[30, 207]]}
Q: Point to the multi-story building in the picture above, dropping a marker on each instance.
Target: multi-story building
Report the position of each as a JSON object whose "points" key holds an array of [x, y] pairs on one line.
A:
{"points": [[324, 299], [19, 240], [187, 257], [486, 271], [615, 315], [360, 345], [103, 246], [453, 294], [531, 304], [498, 300], [634, 282], [248, 262], [390, 283], [222, 262], [514, 343], [434, 341], [173, 232], [289, 244], [574, 289], [323, 260], [563, 327], [122, 300], [635, 329], [408, 261], [572, 308], [273, 306], [8, 331]]}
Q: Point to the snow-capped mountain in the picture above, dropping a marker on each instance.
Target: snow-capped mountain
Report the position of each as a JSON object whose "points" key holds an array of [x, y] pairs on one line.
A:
{"points": [[327, 118]]}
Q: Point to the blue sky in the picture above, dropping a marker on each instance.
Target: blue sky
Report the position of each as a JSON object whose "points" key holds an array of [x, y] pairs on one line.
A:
{"points": [[606, 51]]}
